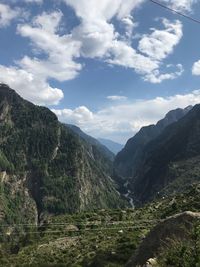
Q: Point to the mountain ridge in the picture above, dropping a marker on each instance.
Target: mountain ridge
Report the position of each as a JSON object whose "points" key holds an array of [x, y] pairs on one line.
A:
{"points": [[44, 163], [127, 159], [170, 161]]}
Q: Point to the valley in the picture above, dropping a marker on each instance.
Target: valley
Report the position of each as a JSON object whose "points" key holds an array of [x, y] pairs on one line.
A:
{"points": [[66, 200]]}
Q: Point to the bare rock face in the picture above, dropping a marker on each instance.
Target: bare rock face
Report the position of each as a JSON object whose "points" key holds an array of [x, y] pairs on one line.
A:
{"points": [[178, 226]]}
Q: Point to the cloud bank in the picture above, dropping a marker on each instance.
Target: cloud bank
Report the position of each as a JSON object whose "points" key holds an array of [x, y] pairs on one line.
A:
{"points": [[121, 121]]}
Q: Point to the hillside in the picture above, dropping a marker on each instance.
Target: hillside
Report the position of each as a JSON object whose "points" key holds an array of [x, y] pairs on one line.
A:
{"points": [[110, 238], [44, 167], [126, 161], [171, 161], [174, 240], [100, 152]]}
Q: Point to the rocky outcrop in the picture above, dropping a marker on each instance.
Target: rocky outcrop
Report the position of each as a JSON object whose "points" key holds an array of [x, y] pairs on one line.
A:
{"points": [[176, 227]]}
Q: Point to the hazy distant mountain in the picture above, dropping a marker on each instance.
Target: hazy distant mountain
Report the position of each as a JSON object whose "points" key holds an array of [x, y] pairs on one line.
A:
{"points": [[111, 145]]}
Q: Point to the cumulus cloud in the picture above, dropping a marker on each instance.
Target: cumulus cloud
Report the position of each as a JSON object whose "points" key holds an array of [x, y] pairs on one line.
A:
{"points": [[124, 55], [31, 87], [60, 49], [160, 43], [181, 5], [99, 38], [196, 68], [157, 77], [96, 32], [79, 116], [7, 15], [120, 122], [95, 36], [30, 75]]}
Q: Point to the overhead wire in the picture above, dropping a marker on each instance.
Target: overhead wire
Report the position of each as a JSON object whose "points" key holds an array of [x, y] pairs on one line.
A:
{"points": [[77, 231], [97, 223], [175, 11]]}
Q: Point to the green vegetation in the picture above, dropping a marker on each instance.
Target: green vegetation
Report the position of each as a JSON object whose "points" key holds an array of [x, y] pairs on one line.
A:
{"points": [[46, 165], [102, 238], [184, 253], [59, 206]]}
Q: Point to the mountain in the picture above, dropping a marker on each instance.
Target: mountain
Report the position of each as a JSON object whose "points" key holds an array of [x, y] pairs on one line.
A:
{"points": [[45, 168], [111, 145], [97, 149], [126, 161], [170, 162]]}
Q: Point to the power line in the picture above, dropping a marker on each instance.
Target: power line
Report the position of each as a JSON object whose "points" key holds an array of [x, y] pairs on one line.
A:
{"points": [[76, 231], [175, 11], [98, 223]]}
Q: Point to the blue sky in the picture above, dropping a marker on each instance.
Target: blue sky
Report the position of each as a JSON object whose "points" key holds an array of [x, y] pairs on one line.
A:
{"points": [[108, 66]]}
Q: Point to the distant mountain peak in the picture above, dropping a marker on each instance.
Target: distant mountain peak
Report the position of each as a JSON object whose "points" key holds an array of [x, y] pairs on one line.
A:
{"points": [[111, 145]]}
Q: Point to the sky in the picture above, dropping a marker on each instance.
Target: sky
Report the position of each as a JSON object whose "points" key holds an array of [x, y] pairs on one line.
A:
{"points": [[109, 66]]}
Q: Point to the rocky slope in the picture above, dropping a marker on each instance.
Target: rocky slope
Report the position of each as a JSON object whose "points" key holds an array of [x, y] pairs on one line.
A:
{"points": [[126, 161], [44, 167], [177, 227], [171, 161], [100, 152]]}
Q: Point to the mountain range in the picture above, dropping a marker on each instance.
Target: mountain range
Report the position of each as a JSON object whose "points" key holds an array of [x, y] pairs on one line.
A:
{"points": [[162, 159], [66, 200], [127, 159]]}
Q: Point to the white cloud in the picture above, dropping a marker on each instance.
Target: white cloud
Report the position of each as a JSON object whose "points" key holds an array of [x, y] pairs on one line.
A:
{"points": [[100, 39], [129, 26], [157, 77], [196, 68], [7, 15], [124, 55], [160, 43], [181, 5], [57, 53], [30, 75], [120, 122], [105, 9], [29, 86], [60, 49], [98, 35], [79, 116], [116, 97]]}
